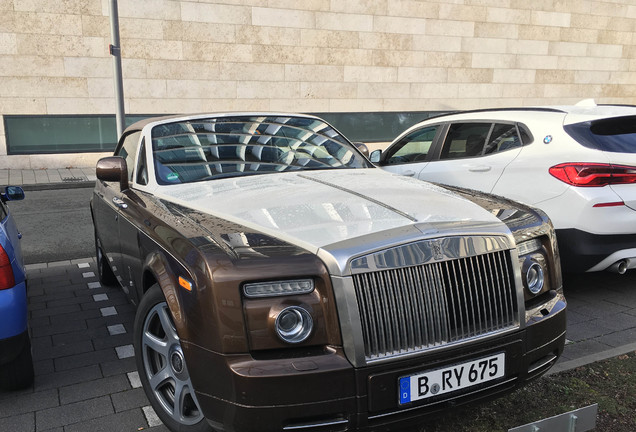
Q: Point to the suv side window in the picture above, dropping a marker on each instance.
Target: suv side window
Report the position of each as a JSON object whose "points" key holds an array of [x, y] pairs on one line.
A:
{"points": [[128, 151], [503, 137], [414, 147], [465, 140]]}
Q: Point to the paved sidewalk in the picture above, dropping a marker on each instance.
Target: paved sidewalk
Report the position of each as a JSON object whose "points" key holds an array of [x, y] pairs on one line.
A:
{"points": [[48, 178], [85, 373]]}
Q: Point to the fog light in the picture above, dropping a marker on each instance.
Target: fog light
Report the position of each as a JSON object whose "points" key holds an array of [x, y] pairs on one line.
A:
{"points": [[535, 278], [294, 324]]}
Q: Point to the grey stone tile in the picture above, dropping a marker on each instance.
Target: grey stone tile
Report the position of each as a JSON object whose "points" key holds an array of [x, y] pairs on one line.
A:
{"points": [[91, 389], [69, 377], [118, 366], [84, 359], [18, 423], [587, 330], [42, 352], [15, 403], [129, 399], [132, 420], [74, 413]]}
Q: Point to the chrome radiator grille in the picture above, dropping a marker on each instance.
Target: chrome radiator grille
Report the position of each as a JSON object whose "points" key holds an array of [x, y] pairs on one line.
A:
{"points": [[415, 308]]}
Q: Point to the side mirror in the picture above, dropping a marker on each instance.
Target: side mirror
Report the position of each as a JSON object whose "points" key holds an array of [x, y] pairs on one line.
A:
{"points": [[12, 193], [362, 148], [375, 156], [113, 169]]}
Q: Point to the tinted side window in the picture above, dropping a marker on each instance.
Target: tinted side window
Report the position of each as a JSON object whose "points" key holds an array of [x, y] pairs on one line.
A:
{"points": [[503, 137], [617, 135], [128, 151], [414, 147], [465, 140]]}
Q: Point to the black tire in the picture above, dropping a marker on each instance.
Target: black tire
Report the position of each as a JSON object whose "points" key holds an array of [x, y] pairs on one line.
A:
{"points": [[104, 272], [18, 373], [153, 322]]}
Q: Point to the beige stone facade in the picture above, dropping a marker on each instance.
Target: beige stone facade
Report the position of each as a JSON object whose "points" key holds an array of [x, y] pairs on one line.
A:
{"points": [[310, 56]]}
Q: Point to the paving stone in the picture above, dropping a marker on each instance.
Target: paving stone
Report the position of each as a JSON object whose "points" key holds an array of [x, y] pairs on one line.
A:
{"points": [[132, 420], [112, 341], [60, 310], [133, 378], [129, 399], [85, 359], [79, 347], [584, 348], [18, 423], [14, 403], [125, 351], [108, 311], [151, 416], [74, 413], [80, 335], [92, 389], [76, 316], [118, 366], [116, 329], [64, 378], [587, 330], [58, 327], [618, 338]]}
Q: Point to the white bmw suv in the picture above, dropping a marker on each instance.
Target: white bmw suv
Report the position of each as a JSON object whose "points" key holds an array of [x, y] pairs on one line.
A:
{"points": [[576, 163]]}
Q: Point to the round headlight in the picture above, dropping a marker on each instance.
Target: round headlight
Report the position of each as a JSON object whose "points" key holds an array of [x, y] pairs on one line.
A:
{"points": [[294, 324], [535, 278]]}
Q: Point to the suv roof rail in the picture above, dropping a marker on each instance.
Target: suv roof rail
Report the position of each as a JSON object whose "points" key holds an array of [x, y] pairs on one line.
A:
{"points": [[538, 109]]}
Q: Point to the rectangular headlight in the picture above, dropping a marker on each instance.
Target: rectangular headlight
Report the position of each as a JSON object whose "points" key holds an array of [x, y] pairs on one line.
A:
{"points": [[278, 288]]}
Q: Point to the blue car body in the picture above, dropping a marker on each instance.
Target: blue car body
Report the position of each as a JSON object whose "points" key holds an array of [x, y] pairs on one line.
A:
{"points": [[16, 370]]}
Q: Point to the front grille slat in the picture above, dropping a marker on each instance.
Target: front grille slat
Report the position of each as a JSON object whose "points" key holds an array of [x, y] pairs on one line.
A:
{"points": [[419, 307]]}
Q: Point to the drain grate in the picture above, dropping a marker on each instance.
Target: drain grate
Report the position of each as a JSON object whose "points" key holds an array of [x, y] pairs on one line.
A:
{"points": [[72, 179]]}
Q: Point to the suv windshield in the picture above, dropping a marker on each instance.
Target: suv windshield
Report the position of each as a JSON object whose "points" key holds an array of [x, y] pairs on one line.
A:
{"points": [[617, 135], [217, 147]]}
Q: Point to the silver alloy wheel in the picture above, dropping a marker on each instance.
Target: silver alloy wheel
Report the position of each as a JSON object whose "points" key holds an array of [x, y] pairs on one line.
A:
{"points": [[165, 367]]}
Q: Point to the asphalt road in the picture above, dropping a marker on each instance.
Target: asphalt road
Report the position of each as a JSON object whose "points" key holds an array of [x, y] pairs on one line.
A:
{"points": [[55, 224]]}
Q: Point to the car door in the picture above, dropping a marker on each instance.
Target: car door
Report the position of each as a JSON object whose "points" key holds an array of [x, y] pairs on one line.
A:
{"points": [[108, 206], [409, 155], [474, 155]]}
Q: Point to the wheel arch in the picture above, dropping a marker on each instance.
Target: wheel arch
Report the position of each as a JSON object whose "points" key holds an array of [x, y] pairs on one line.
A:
{"points": [[163, 270]]}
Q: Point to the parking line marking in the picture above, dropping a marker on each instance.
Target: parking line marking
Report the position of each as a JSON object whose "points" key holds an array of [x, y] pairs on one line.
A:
{"points": [[133, 377], [125, 351], [151, 416], [100, 297], [93, 285], [88, 275], [83, 265], [116, 329], [108, 311]]}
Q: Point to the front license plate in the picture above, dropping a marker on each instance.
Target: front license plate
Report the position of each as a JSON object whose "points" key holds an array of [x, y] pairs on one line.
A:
{"points": [[449, 379]]}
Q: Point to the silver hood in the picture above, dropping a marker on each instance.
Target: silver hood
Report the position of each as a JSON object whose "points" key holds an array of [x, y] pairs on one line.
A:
{"points": [[335, 209]]}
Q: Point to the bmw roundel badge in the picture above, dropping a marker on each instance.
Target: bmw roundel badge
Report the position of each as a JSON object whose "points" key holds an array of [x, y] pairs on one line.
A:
{"points": [[547, 139]]}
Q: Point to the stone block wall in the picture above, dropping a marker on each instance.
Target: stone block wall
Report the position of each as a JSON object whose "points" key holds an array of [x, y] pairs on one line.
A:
{"points": [[312, 56]]}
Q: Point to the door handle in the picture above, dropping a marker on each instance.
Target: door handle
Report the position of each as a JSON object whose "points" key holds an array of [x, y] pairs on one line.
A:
{"points": [[120, 203], [479, 168], [408, 173]]}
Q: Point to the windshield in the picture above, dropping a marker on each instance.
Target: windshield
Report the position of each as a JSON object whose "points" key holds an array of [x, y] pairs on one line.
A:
{"points": [[218, 147]]}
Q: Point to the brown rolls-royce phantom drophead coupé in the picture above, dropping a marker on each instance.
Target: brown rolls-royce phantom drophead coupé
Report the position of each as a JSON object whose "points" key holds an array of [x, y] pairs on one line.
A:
{"points": [[282, 282]]}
